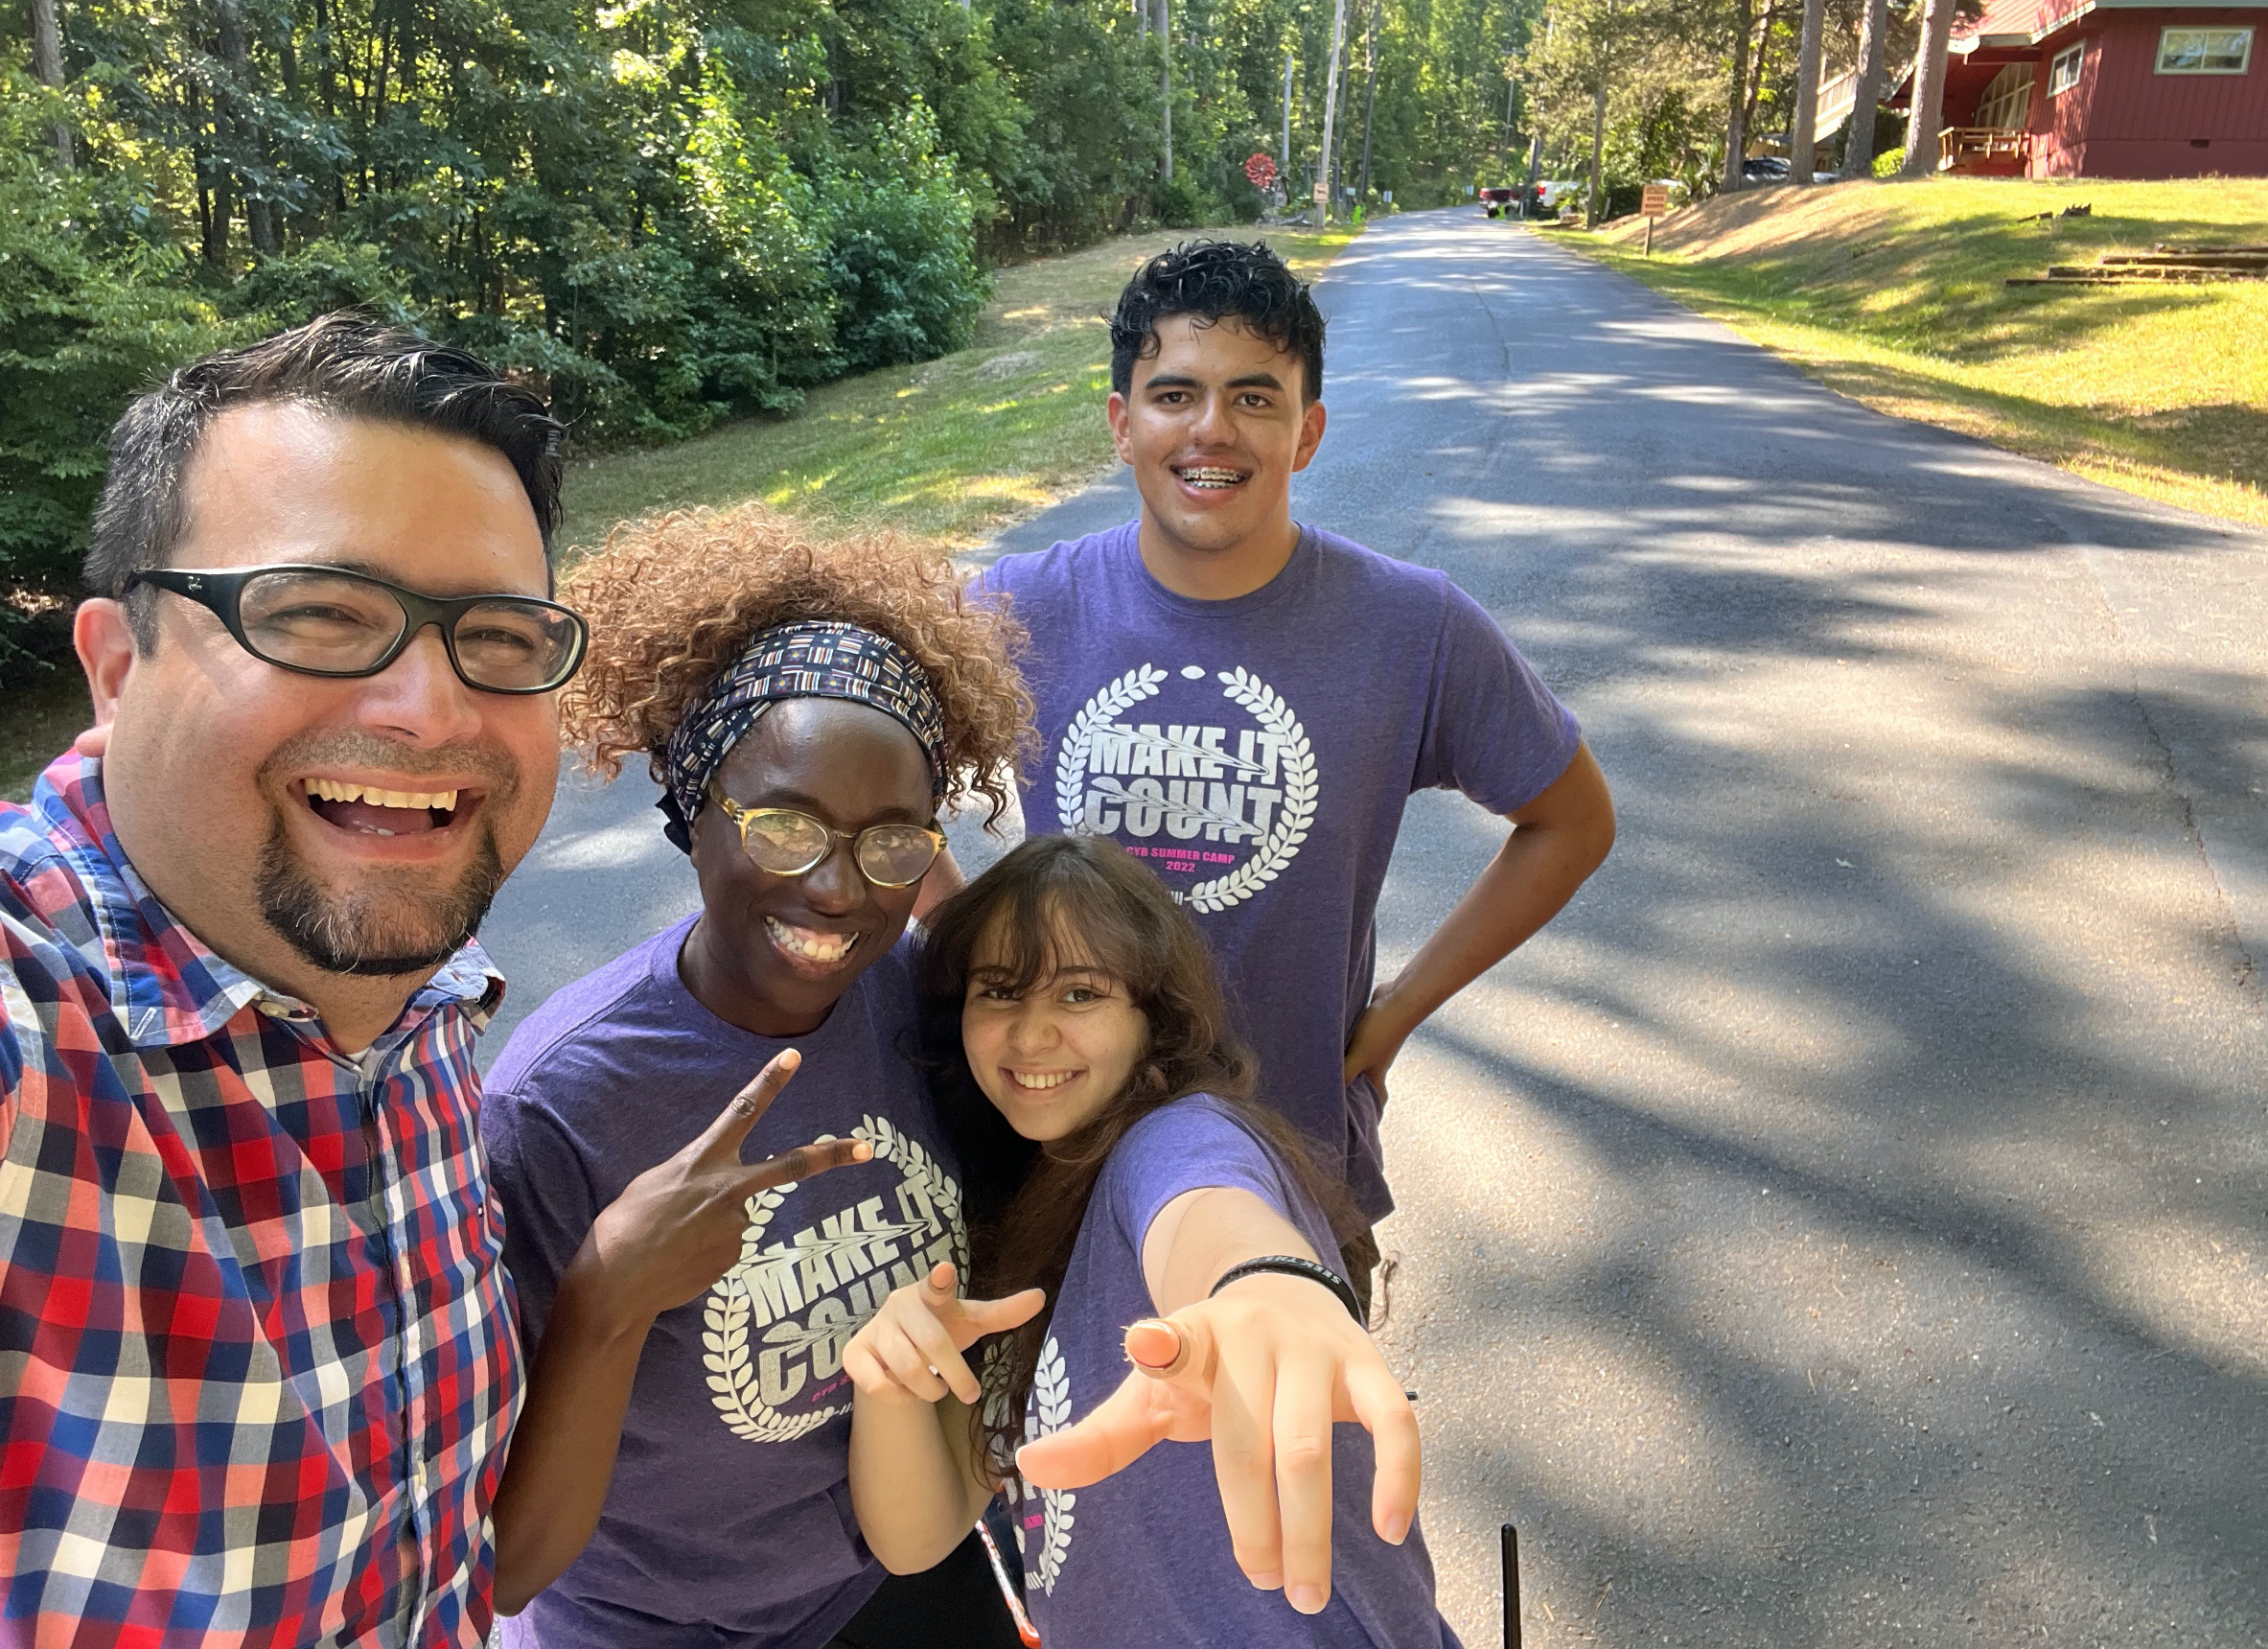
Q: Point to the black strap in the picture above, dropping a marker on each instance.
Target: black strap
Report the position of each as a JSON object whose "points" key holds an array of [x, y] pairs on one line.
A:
{"points": [[1292, 1266]]}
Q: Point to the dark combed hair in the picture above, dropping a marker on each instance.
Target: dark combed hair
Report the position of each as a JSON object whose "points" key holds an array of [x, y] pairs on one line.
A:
{"points": [[344, 363], [1216, 281], [1024, 1205]]}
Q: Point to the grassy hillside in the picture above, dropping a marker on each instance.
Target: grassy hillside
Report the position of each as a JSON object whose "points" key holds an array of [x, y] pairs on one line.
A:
{"points": [[953, 450], [1894, 294]]}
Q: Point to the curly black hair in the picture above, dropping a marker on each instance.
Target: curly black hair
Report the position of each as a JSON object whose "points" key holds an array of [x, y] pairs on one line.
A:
{"points": [[1218, 280]]}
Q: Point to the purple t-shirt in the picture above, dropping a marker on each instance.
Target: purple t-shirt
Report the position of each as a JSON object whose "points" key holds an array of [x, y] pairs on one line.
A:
{"points": [[1151, 1544], [1257, 754], [728, 1522]]}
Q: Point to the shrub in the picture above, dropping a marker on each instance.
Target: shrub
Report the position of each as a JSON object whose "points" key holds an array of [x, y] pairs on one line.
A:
{"points": [[1183, 203], [1887, 162], [902, 250], [90, 315], [318, 277]]}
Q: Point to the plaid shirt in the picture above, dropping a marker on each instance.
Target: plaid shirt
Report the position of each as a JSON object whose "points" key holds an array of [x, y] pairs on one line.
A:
{"points": [[257, 1346]]}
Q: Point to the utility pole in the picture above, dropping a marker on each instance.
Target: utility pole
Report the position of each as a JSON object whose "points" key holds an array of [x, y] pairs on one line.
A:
{"points": [[1370, 100], [1165, 45], [1283, 161], [1598, 151], [1331, 103], [47, 64], [1535, 140]]}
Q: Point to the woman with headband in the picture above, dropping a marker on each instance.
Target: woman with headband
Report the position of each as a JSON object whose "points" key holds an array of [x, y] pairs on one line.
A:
{"points": [[681, 1474], [806, 712]]}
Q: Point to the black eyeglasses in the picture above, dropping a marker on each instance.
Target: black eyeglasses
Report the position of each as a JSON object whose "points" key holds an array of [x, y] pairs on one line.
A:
{"points": [[789, 843], [326, 621]]}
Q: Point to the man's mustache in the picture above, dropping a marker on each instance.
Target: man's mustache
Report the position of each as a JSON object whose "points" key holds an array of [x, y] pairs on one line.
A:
{"points": [[498, 773]]}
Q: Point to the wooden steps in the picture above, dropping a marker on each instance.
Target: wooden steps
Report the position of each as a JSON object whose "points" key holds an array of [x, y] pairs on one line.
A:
{"points": [[2184, 265]]}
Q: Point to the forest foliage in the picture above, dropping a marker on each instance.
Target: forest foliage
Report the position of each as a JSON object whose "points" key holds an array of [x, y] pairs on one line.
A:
{"points": [[662, 212]]}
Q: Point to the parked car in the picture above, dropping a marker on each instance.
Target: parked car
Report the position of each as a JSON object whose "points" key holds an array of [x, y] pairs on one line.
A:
{"points": [[1772, 169]]}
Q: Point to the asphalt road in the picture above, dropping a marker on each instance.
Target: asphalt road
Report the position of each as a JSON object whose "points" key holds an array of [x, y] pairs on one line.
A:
{"points": [[1847, 1225]]}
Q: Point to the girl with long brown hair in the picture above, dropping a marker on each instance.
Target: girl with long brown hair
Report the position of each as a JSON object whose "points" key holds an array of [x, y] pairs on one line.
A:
{"points": [[1117, 1173]]}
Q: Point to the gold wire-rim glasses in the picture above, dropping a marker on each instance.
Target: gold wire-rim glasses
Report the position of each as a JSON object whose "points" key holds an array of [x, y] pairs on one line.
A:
{"points": [[747, 821]]}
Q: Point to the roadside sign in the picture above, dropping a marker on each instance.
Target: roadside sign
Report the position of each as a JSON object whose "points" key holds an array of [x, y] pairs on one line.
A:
{"points": [[1656, 203], [1322, 193]]}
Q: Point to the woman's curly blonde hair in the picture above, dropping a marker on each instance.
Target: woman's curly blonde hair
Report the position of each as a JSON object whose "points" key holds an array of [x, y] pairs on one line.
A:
{"points": [[673, 599]]}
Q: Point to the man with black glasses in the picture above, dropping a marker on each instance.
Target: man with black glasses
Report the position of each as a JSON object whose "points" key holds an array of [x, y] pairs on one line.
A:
{"points": [[257, 1352]]}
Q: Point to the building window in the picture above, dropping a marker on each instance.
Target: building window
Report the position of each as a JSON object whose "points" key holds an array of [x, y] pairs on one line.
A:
{"points": [[2063, 73], [2205, 51], [2007, 102]]}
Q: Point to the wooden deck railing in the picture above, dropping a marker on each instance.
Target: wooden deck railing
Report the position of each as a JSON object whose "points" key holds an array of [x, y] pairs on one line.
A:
{"points": [[1970, 144]]}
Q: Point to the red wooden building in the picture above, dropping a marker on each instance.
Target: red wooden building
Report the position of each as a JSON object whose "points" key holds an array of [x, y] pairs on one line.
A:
{"points": [[2108, 88]]}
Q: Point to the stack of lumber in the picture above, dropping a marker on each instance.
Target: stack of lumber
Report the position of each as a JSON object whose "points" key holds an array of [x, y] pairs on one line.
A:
{"points": [[2162, 262]]}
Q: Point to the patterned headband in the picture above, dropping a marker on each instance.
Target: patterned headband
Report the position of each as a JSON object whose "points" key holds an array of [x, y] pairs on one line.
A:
{"points": [[813, 659]]}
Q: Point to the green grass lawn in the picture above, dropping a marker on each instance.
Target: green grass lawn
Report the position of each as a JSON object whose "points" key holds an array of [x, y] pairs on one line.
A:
{"points": [[952, 450], [1895, 295]]}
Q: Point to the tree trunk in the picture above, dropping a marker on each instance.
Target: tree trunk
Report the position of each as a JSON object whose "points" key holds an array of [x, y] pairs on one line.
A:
{"points": [[1330, 103], [1803, 139], [1858, 143], [1598, 149], [1736, 116], [47, 63], [228, 115], [1928, 117], [1762, 63]]}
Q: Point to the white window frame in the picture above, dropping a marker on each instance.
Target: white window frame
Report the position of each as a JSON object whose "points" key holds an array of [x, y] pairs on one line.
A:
{"points": [[2010, 92], [2244, 51], [2059, 80]]}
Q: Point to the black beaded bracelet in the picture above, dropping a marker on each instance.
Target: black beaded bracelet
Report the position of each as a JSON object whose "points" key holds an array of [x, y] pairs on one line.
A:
{"points": [[1292, 1266]]}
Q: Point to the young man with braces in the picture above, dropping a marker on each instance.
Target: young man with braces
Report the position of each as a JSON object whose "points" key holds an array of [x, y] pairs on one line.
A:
{"points": [[1246, 703]]}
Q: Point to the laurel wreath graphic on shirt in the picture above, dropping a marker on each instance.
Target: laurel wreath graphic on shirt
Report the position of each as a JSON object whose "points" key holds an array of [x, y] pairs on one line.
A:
{"points": [[1258, 700], [725, 1316], [1292, 818], [1051, 1402], [1143, 682]]}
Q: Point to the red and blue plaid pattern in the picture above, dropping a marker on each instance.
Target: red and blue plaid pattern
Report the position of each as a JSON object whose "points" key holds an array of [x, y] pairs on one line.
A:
{"points": [[257, 1346]]}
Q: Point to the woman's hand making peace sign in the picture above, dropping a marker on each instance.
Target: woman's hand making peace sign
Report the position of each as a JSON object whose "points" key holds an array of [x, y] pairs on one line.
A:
{"points": [[676, 1228], [671, 1234]]}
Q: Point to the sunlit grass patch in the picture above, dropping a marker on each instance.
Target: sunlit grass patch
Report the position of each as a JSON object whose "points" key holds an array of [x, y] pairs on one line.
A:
{"points": [[1896, 295], [953, 449]]}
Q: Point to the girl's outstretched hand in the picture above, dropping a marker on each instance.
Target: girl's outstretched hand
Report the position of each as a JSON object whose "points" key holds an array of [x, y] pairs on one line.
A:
{"points": [[909, 1350], [1262, 1369]]}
